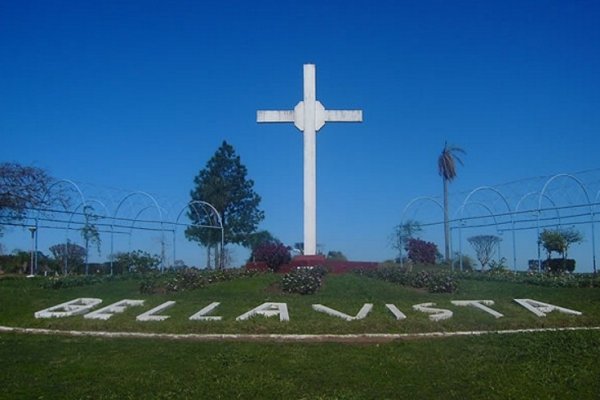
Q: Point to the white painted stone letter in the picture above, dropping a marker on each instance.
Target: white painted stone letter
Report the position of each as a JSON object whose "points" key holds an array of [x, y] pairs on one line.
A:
{"points": [[151, 314], [115, 308], [201, 315], [397, 313], [74, 307], [437, 314], [540, 309], [480, 304], [267, 310], [364, 311]]}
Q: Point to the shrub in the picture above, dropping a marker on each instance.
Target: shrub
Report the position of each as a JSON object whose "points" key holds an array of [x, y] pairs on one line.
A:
{"points": [[303, 280], [189, 279], [273, 254], [434, 282], [467, 262], [135, 261], [421, 252], [558, 265]]}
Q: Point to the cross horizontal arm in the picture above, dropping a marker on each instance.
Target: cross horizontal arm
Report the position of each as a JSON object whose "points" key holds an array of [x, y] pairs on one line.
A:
{"points": [[275, 116], [343, 115]]}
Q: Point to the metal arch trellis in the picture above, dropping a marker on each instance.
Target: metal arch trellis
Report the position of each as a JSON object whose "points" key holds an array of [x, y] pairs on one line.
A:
{"points": [[587, 197], [537, 212], [160, 215], [37, 217], [461, 210], [526, 223], [512, 220], [217, 223], [85, 214], [410, 203], [63, 216]]}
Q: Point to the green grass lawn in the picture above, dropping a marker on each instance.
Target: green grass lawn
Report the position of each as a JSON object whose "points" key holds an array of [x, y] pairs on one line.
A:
{"points": [[548, 365]]}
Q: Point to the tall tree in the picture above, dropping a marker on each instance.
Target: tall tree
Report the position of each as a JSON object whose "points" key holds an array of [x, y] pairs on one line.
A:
{"points": [[22, 189], [404, 232], [90, 233], [70, 255], [485, 247], [447, 170], [224, 184]]}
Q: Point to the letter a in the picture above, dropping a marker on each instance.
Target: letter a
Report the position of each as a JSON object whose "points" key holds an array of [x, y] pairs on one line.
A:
{"points": [[540, 309], [267, 310]]}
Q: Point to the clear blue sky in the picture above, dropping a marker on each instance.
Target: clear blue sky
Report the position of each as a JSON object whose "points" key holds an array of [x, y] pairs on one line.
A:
{"points": [[140, 94]]}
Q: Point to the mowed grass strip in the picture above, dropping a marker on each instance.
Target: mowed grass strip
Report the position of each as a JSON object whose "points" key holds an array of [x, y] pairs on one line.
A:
{"points": [[20, 298], [556, 365]]}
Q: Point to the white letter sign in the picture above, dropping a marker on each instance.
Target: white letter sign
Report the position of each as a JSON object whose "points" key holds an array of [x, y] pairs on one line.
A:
{"points": [[201, 315], [540, 309], [73, 307], [115, 308], [364, 311], [150, 315], [267, 310], [437, 314], [480, 304]]}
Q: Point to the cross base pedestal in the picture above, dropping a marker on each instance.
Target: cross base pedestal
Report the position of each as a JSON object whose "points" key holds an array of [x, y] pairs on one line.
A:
{"points": [[308, 261]]}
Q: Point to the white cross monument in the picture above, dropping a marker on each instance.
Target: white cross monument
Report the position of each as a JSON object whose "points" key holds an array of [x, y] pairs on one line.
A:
{"points": [[309, 116]]}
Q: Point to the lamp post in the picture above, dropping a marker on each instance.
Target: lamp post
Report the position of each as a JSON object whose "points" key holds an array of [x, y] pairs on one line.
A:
{"points": [[32, 229]]}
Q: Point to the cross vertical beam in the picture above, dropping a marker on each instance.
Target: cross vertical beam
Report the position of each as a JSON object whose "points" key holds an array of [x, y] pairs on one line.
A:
{"points": [[310, 161], [309, 116]]}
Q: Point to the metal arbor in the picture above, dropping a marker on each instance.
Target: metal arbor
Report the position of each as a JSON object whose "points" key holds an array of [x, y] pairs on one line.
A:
{"points": [[560, 200]]}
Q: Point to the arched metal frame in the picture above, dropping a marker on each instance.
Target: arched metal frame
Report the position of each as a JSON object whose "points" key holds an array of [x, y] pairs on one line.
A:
{"points": [[512, 219], [218, 224], [413, 201], [67, 229], [587, 197], [541, 196], [461, 210], [37, 217], [197, 207], [160, 216]]}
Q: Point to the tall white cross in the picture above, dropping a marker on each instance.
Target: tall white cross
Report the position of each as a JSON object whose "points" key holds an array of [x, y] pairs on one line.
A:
{"points": [[309, 116]]}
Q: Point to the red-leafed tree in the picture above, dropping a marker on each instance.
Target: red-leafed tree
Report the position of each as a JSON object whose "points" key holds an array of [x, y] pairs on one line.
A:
{"points": [[421, 252]]}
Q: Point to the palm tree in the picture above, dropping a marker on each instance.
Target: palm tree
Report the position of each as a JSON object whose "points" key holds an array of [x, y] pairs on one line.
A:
{"points": [[447, 170]]}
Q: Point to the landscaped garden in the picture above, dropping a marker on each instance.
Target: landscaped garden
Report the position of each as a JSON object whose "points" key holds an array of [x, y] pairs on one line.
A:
{"points": [[545, 364]]}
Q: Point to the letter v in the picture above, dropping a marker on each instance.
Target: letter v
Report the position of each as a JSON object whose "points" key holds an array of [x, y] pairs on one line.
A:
{"points": [[364, 311]]}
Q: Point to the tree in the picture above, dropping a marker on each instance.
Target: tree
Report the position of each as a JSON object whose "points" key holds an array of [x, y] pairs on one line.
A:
{"points": [[22, 189], [420, 251], [90, 233], [136, 261], [485, 247], [447, 170], [223, 184], [70, 255], [404, 232], [559, 240], [273, 254], [258, 238]]}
